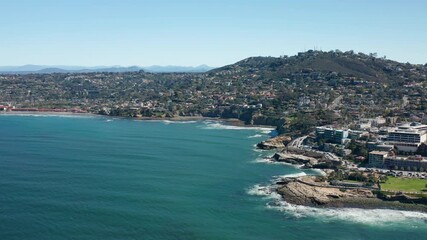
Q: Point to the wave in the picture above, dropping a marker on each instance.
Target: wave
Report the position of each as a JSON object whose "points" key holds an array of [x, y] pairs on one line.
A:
{"points": [[259, 190], [267, 160], [357, 215], [255, 149], [292, 175], [263, 160], [176, 122], [256, 136], [218, 125]]}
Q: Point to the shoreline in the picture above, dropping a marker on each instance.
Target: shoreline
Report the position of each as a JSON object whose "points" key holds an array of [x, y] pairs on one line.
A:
{"points": [[316, 191], [297, 192], [229, 121]]}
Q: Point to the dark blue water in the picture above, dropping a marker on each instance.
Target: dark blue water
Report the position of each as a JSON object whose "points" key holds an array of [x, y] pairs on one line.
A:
{"points": [[100, 178]]}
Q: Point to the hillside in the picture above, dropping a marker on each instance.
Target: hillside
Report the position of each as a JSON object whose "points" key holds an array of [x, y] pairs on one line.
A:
{"points": [[360, 66]]}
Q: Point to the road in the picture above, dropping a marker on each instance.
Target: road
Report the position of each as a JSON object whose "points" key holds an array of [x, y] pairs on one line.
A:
{"points": [[297, 142]]}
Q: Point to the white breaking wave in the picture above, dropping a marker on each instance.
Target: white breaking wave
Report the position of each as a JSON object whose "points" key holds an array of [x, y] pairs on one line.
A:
{"points": [[362, 216], [267, 131], [267, 160], [217, 125], [292, 175], [263, 160], [259, 190], [263, 152], [177, 122], [256, 136]]}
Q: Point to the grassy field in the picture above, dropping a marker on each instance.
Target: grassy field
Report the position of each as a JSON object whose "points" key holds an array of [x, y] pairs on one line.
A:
{"points": [[405, 184]]}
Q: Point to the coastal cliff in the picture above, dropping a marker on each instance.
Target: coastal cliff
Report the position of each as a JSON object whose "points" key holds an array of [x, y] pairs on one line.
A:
{"points": [[278, 142], [308, 191]]}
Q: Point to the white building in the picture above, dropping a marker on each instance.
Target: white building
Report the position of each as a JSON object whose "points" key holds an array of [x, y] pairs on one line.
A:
{"points": [[332, 135], [408, 137]]}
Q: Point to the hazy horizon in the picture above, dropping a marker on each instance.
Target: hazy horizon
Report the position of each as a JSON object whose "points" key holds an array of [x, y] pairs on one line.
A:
{"points": [[215, 33]]}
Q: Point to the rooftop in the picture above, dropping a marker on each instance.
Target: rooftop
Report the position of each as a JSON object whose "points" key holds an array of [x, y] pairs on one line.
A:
{"points": [[411, 128], [379, 152]]}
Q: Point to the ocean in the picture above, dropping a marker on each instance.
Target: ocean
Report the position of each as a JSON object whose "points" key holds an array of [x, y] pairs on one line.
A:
{"points": [[90, 177]]}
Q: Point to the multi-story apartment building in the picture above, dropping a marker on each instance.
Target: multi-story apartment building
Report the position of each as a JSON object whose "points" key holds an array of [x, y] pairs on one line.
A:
{"points": [[408, 137]]}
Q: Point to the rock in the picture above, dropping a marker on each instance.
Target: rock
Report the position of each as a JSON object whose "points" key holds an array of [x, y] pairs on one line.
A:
{"points": [[278, 142], [301, 193], [296, 159]]}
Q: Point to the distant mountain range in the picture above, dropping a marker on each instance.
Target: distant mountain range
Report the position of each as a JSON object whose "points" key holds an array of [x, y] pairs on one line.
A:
{"points": [[83, 69]]}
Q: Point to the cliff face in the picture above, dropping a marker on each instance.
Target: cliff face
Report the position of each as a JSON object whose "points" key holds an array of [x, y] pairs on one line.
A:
{"points": [[295, 159], [266, 120], [278, 142]]}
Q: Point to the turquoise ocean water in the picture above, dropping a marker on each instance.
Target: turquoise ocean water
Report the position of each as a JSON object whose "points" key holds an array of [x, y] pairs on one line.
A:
{"points": [[103, 178]]}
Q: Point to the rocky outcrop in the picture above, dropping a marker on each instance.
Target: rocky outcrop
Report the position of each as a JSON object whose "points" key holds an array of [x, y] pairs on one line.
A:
{"points": [[298, 192], [307, 192], [404, 198], [278, 142], [296, 159]]}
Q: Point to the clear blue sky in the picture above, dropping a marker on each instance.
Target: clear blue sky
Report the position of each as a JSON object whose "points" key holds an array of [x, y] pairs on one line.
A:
{"points": [[213, 32]]}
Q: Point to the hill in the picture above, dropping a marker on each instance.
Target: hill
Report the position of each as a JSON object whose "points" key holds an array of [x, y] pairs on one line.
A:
{"points": [[357, 65]]}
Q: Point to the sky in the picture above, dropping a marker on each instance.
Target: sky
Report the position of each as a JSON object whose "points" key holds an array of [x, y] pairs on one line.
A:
{"points": [[212, 32]]}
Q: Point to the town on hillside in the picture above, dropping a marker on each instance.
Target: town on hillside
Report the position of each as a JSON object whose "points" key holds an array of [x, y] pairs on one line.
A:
{"points": [[359, 117]]}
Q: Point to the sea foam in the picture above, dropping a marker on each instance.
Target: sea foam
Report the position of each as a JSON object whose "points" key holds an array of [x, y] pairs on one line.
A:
{"points": [[256, 136], [177, 122], [357, 215], [292, 175], [218, 125]]}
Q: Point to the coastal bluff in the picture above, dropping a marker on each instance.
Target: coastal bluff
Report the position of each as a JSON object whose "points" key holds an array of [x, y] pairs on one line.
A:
{"points": [[278, 142], [308, 191], [305, 191]]}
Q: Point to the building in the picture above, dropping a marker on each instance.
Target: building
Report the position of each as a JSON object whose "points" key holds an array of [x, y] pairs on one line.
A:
{"points": [[368, 123], [408, 137], [384, 147], [355, 134], [377, 158], [332, 135], [413, 163]]}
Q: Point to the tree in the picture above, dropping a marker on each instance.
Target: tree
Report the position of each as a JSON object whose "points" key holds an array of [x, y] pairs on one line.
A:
{"points": [[383, 178], [303, 122], [374, 55]]}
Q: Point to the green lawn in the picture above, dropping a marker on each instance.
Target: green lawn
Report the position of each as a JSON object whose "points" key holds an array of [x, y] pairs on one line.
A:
{"points": [[405, 184]]}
